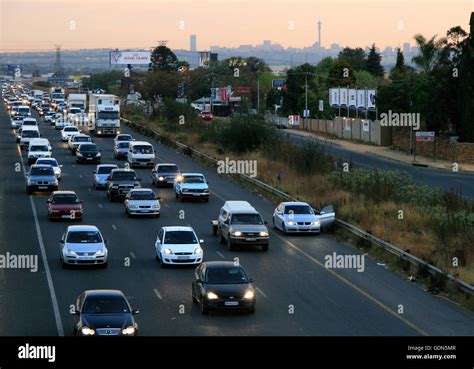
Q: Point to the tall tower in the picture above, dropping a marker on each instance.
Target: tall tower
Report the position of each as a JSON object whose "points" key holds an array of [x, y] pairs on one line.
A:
{"points": [[319, 32], [192, 42], [58, 66]]}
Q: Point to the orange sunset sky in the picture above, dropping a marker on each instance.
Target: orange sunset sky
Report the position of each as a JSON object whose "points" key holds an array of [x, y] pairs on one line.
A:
{"points": [[75, 24]]}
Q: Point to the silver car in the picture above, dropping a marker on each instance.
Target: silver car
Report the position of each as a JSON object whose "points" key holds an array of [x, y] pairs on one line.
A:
{"points": [[142, 201], [54, 163], [121, 149], [83, 245]]}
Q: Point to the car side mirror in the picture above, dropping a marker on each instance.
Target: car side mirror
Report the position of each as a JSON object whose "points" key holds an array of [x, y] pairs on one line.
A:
{"points": [[94, 172], [153, 171], [265, 222], [139, 179], [158, 198], [201, 241], [108, 178], [198, 280], [82, 201], [48, 201], [251, 280], [62, 241], [75, 312], [135, 311], [158, 241]]}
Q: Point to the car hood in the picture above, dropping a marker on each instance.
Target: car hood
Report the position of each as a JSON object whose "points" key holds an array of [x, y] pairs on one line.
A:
{"points": [[300, 218], [226, 290], [194, 186], [181, 248], [248, 228], [66, 206], [143, 202], [95, 321], [42, 178], [101, 177], [85, 247]]}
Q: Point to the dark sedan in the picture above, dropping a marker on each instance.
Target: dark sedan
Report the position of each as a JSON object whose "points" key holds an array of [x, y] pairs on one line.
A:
{"points": [[223, 285], [104, 313], [88, 153]]}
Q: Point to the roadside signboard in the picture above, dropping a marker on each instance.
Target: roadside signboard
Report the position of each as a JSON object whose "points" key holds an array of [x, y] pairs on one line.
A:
{"points": [[425, 136], [294, 120], [118, 57], [278, 83]]}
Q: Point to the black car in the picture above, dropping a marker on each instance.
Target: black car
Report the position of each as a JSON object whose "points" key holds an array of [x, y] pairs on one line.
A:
{"points": [[120, 182], [104, 313], [164, 174], [223, 285], [88, 153]]}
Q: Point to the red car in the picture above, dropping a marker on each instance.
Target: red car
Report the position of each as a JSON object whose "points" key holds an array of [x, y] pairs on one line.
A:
{"points": [[64, 205], [206, 116]]}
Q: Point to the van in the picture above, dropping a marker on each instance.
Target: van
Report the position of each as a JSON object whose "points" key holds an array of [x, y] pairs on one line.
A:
{"points": [[24, 111], [38, 148], [141, 153], [29, 122], [239, 223], [27, 133]]}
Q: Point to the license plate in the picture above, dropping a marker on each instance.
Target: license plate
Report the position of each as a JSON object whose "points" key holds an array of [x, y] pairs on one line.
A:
{"points": [[66, 216], [87, 258], [89, 158], [145, 211], [251, 239], [196, 194], [231, 303], [183, 257], [42, 187]]}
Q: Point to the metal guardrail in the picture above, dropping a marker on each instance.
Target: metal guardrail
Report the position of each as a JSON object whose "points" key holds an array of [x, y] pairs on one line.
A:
{"points": [[347, 226]]}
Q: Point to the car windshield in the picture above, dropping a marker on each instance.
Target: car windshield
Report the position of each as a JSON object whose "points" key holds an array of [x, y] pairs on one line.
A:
{"points": [[105, 170], [124, 138], [193, 179], [122, 145], [42, 171], [105, 305], [246, 219], [65, 199], [108, 115], [71, 129], [298, 209], [53, 163], [168, 169], [82, 139], [29, 134], [39, 148], [75, 111], [124, 176], [142, 195], [143, 149], [88, 148], [226, 275], [179, 237], [29, 123], [84, 237]]}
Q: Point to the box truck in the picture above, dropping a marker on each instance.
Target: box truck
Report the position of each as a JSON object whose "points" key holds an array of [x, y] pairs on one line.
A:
{"points": [[77, 101], [104, 114]]}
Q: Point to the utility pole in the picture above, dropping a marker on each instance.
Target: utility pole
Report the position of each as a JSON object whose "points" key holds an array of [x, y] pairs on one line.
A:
{"points": [[258, 92]]}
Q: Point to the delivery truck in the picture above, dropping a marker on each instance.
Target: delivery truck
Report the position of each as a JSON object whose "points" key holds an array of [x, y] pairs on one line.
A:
{"points": [[104, 114]]}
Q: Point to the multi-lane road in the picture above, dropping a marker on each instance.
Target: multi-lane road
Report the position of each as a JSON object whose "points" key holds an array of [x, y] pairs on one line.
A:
{"points": [[297, 295]]}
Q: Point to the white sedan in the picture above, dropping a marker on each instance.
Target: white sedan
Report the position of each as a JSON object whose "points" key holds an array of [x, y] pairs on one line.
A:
{"points": [[178, 246], [68, 132], [142, 201], [54, 163]]}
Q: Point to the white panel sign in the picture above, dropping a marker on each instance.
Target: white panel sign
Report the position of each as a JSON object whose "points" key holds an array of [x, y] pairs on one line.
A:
{"points": [[334, 97], [343, 96], [361, 100], [352, 98], [371, 99], [118, 57]]}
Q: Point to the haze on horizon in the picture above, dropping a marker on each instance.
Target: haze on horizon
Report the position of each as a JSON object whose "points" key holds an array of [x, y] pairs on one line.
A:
{"points": [[78, 24]]}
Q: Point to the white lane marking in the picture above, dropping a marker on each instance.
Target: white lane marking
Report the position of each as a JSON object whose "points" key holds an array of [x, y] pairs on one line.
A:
{"points": [[80, 175], [100, 206], [132, 255], [74, 165], [261, 292], [221, 254], [157, 294], [114, 227], [89, 189], [165, 204], [54, 300]]}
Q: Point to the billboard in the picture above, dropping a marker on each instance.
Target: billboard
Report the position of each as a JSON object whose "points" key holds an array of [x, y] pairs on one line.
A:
{"points": [[360, 99], [204, 58], [343, 97], [118, 57], [352, 98], [371, 100], [278, 83], [334, 97]]}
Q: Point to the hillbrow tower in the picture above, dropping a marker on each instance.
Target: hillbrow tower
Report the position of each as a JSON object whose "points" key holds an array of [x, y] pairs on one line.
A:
{"points": [[319, 32]]}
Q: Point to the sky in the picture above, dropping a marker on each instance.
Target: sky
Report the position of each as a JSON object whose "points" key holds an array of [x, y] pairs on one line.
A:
{"points": [[83, 24]]}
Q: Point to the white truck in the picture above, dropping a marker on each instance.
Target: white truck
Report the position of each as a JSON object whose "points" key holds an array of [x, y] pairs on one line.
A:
{"points": [[104, 114], [37, 94], [77, 101], [56, 94]]}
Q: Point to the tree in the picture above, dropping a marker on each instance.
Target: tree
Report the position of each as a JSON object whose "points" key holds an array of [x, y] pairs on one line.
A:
{"points": [[374, 66], [341, 74], [354, 57], [160, 85], [162, 58], [429, 52], [400, 64]]}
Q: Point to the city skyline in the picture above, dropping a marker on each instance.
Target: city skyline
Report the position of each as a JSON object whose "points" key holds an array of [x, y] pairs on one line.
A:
{"points": [[74, 26]]}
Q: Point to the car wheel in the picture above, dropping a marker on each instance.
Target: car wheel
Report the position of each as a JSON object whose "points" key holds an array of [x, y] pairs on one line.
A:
{"points": [[265, 247], [252, 310], [206, 199], [129, 215], [111, 198], [230, 246], [157, 215], [104, 266], [181, 197], [283, 228], [195, 300], [64, 265], [204, 309], [162, 263], [28, 191], [221, 237], [274, 225], [176, 195]]}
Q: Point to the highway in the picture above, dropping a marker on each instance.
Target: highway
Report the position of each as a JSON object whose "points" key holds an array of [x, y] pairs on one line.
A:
{"points": [[443, 179], [297, 295]]}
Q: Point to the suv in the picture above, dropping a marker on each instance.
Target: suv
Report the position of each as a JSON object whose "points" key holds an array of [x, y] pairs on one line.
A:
{"points": [[41, 178], [120, 182], [165, 174], [240, 224]]}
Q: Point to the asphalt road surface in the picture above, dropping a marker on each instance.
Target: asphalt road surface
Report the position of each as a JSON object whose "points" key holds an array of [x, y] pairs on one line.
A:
{"points": [[296, 294], [443, 179]]}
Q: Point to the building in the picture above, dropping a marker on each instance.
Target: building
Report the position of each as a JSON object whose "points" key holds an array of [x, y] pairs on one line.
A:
{"points": [[193, 43], [406, 48], [319, 32]]}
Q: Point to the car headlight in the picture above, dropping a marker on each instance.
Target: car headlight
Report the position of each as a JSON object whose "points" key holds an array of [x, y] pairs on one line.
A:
{"points": [[212, 296], [316, 223], [291, 223], [179, 178], [128, 331], [86, 331], [78, 154], [168, 251], [249, 295], [71, 253], [160, 178], [156, 206], [263, 234], [185, 189], [115, 186], [237, 234], [198, 250], [100, 252], [133, 206], [98, 154]]}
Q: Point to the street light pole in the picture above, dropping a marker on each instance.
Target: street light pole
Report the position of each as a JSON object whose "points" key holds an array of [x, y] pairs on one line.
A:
{"points": [[258, 93], [306, 99]]}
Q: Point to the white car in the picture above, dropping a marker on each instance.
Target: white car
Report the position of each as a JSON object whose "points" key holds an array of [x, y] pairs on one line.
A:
{"points": [[68, 132], [54, 163], [83, 245], [76, 140], [81, 119], [16, 121], [38, 148], [178, 246], [140, 153], [142, 201], [300, 217], [62, 122], [191, 186]]}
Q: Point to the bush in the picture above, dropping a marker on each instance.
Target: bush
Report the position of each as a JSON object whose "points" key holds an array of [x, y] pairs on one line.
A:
{"points": [[178, 115]]}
